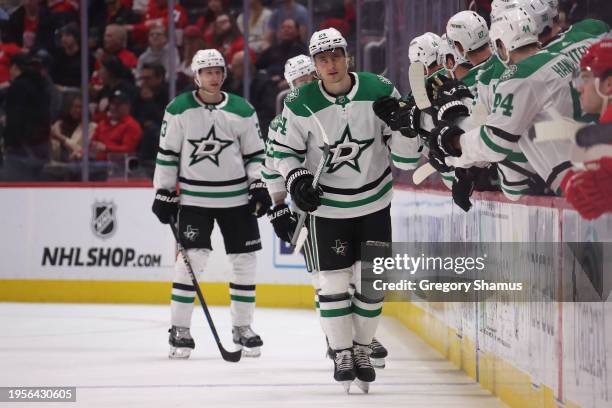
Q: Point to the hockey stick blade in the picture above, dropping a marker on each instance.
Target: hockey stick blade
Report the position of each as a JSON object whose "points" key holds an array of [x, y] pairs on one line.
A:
{"points": [[422, 173], [231, 356], [416, 77]]}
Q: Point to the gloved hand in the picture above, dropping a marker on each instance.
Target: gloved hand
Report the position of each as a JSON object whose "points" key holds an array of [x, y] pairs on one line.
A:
{"points": [[384, 107], [436, 159], [463, 186], [259, 199], [283, 221], [442, 139], [299, 185], [165, 205]]}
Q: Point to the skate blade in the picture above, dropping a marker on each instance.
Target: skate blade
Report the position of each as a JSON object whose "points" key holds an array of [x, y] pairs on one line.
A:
{"points": [[252, 352], [378, 362], [179, 353], [362, 385], [347, 386]]}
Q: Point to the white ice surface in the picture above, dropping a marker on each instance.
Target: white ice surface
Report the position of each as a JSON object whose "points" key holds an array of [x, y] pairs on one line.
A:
{"points": [[116, 356]]}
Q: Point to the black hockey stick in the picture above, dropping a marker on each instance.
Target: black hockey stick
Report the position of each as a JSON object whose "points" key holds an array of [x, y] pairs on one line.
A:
{"points": [[233, 356]]}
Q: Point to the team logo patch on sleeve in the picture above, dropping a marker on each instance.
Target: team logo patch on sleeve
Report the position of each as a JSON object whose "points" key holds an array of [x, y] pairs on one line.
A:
{"points": [[508, 73], [292, 96], [384, 80]]}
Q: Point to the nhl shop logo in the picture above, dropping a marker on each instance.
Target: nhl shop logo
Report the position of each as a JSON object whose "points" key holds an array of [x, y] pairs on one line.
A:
{"points": [[104, 219]]}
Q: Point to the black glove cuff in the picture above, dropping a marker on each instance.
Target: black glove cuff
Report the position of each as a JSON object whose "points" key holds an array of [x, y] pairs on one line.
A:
{"points": [[294, 175], [452, 110], [257, 184], [167, 196]]}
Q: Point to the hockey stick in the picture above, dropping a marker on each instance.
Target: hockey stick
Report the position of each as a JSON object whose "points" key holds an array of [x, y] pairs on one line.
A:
{"points": [[232, 356], [416, 77], [301, 232]]}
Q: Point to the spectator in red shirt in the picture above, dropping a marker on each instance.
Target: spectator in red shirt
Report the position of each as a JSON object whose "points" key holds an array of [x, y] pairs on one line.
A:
{"points": [[227, 38], [7, 52], [119, 132], [30, 26], [206, 23], [157, 14]]}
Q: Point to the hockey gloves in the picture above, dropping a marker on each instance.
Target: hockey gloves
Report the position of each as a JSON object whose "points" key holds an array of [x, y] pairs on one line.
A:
{"points": [[304, 195], [165, 205], [463, 186], [444, 137], [259, 199], [283, 221], [385, 107]]}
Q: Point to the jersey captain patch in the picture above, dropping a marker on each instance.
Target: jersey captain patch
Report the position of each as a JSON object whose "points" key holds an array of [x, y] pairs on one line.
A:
{"points": [[347, 151], [209, 147]]}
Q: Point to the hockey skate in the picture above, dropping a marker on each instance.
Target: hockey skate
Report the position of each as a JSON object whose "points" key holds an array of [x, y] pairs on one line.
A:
{"points": [[248, 340], [363, 367], [344, 368], [377, 354], [181, 343]]}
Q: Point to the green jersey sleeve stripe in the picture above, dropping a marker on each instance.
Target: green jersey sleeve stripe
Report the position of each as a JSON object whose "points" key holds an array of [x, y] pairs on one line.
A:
{"points": [[270, 176], [166, 162], [492, 145], [255, 160], [401, 159], [283, 155]]}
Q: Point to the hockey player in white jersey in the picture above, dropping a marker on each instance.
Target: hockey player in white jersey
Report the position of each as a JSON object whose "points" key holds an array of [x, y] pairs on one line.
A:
{"points": [[351, 204], [533, 83], [424, 48], [211, 145], [299, 71]]}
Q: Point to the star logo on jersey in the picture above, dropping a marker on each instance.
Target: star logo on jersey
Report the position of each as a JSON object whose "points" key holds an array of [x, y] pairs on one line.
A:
{"points": [[208, 147], [340, 248], [346, 152]]}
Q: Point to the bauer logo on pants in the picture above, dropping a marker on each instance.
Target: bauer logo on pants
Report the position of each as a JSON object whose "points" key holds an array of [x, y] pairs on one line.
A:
{"points": [[103, 219]]}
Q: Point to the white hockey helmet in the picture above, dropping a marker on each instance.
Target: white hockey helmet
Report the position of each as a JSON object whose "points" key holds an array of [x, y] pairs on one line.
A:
{"points": [[498, 7], [468, 29], [542, 12], [515, 28], [206, 59], [448, 48], [325, 40], [424, 48], [297, 67]]}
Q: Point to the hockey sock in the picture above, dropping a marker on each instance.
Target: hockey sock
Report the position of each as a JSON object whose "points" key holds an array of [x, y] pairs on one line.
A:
{"points": [[242, 288], [366, 314], [335, 308], [183, 291]]}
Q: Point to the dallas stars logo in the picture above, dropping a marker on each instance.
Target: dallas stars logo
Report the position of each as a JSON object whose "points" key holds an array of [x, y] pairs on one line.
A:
{"points": [[208, 147], [347, 151]]}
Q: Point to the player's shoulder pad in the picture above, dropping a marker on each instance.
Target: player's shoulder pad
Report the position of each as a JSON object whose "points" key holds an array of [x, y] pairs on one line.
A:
{"points": [[182, 103], [308, 94], [591, 26], [528, 66], [238, 105], [372, 87]]}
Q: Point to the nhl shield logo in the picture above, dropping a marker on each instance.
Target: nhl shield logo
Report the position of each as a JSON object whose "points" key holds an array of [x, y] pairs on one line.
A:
{"points": [[103, 219]]}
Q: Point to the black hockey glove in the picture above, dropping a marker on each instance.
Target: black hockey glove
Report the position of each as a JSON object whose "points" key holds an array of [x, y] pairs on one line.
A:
{"points": [[283, 221], [447, 87], [436, 159], [442, 139], [259, 199], [385, 107], [165, 205], [299, 185], [463, 186]]}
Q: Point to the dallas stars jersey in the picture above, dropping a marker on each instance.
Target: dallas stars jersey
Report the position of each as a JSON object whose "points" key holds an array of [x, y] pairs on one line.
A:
{"points": [[356, 179], [524, 94], [574, 41], [213, 151], [274, 181]]}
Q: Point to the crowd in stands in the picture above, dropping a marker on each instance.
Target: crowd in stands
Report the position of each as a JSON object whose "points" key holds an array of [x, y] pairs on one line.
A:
{"points": [[129, 56]]}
